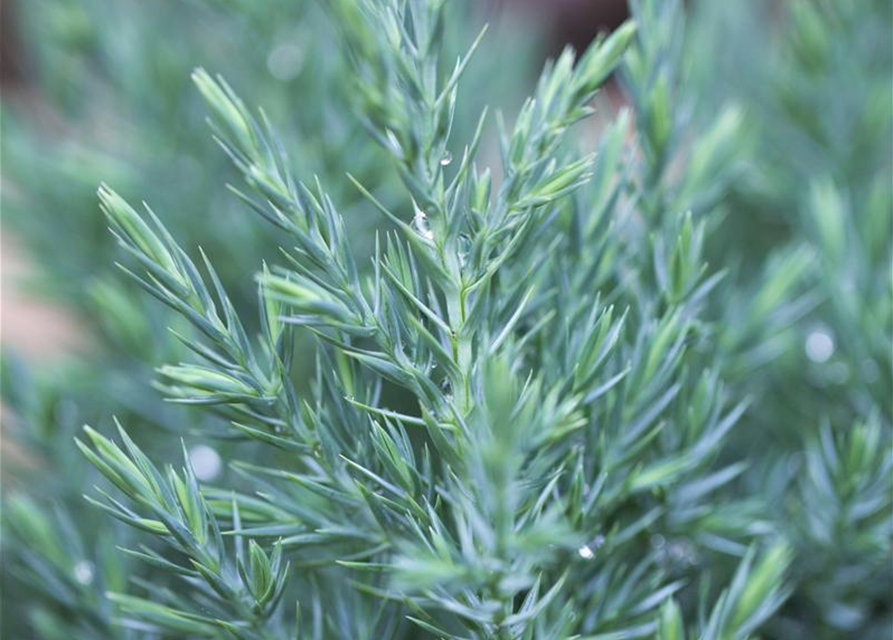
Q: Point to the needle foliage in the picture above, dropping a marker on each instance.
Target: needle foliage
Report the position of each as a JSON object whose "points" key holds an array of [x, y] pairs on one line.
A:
{"points": [[509, 375]]}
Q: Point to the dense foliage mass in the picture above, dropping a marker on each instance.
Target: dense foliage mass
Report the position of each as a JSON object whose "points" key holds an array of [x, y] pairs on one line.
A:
{"points": [[511, 376]]}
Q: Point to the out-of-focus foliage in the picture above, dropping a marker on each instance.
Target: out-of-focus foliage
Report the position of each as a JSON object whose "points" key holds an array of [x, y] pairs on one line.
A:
{"points": [[814, 205], [111, 99], [502, 381]]}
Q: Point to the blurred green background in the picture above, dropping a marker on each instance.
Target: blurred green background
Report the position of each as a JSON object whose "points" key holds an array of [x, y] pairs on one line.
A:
{"points": [[99, 91]]}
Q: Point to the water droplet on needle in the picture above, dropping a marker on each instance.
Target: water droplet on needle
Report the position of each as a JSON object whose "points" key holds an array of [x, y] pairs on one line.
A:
{"points": [[587, 551]]}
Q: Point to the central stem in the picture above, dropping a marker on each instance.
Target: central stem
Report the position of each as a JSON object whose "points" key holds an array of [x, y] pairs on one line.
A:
{"points": [[462, 351]]}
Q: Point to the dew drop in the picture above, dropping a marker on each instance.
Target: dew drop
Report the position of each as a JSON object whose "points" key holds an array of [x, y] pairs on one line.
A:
{"points": [[588, 551], [83, 572], [420, 219], [446, 159], [285, 61], [819, 345], [205, 462]]}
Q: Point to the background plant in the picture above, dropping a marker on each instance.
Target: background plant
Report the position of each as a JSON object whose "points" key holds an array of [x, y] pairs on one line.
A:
{"points": [[528, 413]]}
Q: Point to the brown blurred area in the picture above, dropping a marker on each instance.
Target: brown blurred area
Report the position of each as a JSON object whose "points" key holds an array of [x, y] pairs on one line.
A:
{"points": [[11, 72], [574, 22], [37, 328]]}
